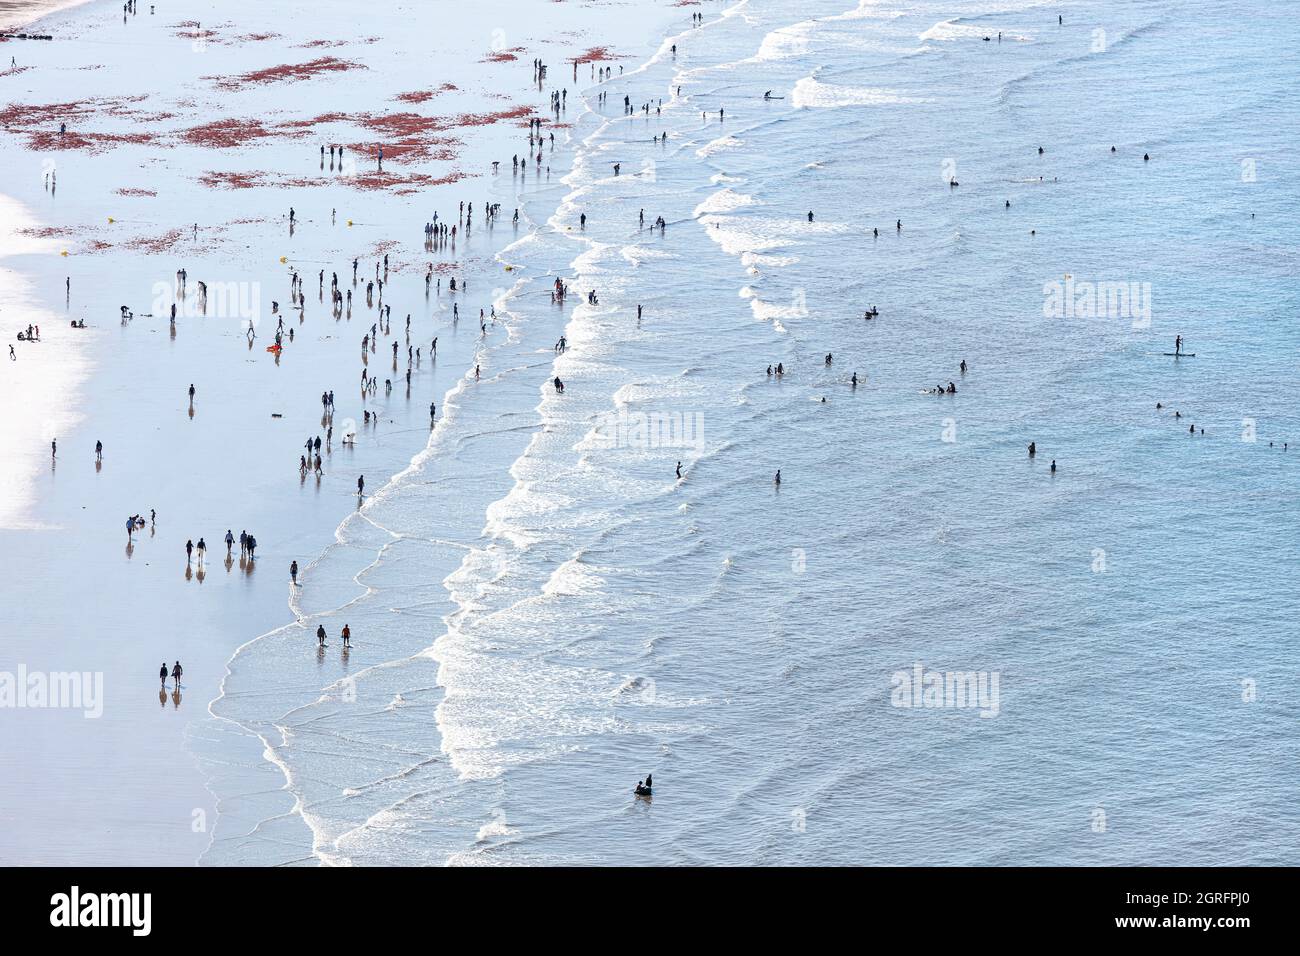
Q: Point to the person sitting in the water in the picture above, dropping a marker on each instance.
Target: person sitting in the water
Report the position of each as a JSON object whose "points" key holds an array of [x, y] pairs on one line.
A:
{"points": [[644, 788]]}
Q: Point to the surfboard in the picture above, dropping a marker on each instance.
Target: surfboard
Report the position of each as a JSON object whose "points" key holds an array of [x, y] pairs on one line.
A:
{"points": [[1180, 354]]}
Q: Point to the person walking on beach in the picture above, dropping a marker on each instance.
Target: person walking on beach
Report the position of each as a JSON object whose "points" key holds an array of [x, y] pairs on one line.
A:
{"points": [[54, 443], [189, 551], [347, 636], [130, 528], [202, 548], [230, 542], [293, 572], [177, 671], [361, 486], [320, 635], [99, 451], [243, 543], [252, 547], [162, 674]]}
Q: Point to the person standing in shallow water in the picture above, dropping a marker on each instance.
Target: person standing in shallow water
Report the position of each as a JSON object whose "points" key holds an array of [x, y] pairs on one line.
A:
{"points": [[320, 635]]}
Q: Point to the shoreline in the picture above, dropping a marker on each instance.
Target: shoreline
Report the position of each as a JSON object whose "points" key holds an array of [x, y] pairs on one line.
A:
{"points": [[186, 799]]}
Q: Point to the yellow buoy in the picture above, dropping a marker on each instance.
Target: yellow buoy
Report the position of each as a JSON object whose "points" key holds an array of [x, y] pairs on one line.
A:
{"points": [[64, 252], [111, 220], [349, 222], [283, 259]]}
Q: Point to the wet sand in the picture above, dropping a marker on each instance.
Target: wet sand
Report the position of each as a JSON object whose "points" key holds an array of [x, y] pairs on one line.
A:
{"points": [[137, 168], [15, 15]]}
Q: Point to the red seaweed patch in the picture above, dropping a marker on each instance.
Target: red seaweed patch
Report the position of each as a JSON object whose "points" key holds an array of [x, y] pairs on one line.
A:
{"points": [[40, 123], [595, 54], [423, 96], [156, 245], [286, 72], [226, 133], [503, 56], [408, 137], [233, 180]]}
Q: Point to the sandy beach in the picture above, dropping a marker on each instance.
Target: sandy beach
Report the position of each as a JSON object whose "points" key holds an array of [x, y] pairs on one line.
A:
{"points": [[902, 346], [229, 146]]}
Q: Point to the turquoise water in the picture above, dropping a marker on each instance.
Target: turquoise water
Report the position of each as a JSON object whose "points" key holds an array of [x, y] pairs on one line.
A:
{"points": [[560, 615]]}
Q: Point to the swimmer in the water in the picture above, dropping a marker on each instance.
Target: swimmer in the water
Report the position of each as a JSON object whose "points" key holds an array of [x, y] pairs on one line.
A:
{"points": [[777, 479]]}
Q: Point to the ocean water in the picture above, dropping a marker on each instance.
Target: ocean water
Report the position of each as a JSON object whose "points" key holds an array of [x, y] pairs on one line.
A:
{"points": [[544, 613]]}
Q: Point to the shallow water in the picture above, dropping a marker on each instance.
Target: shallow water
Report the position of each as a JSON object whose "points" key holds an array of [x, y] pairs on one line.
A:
{"points": [[557, 615]]}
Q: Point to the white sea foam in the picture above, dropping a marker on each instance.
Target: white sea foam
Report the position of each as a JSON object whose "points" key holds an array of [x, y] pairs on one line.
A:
{"points": [[717, 146], [812, 93]]}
